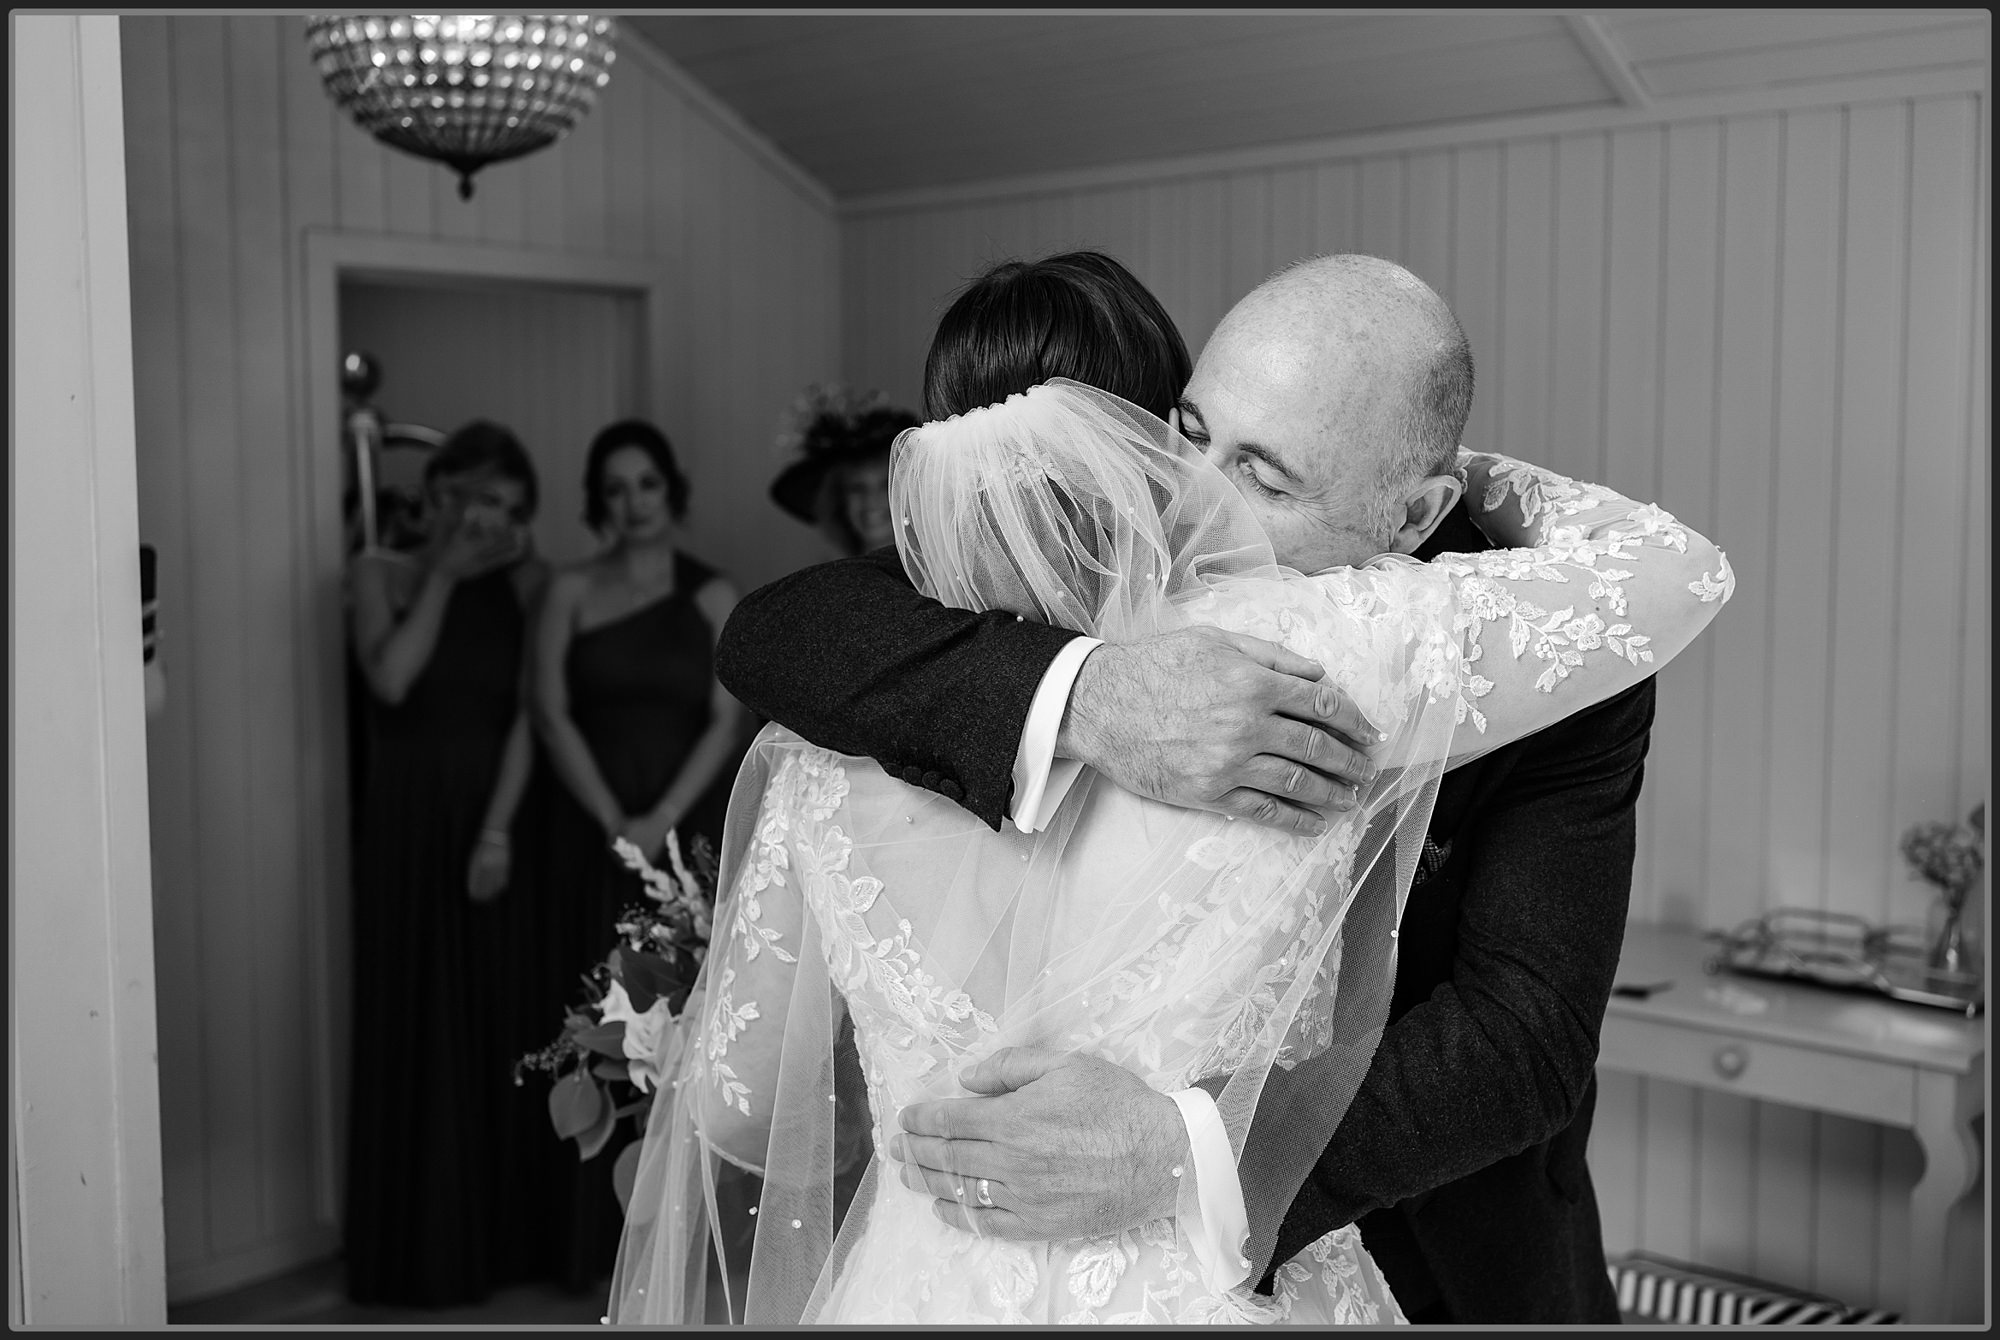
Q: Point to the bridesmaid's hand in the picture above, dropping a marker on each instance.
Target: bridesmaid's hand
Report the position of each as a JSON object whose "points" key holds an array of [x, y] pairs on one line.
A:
{"points": [[647, 832], [492, 862], [475, 550]]}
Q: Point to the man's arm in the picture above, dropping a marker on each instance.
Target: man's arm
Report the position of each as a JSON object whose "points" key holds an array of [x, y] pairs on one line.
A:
{"points": [[1499, 1057], [854, 658]]}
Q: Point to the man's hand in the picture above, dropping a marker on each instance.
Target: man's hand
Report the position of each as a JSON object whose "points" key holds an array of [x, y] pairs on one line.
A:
{"points": [[1223, 722], [1068, 1147]]}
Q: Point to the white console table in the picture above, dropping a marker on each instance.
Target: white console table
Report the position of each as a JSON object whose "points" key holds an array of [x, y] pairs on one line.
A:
{"points": [[1879, 1060]]}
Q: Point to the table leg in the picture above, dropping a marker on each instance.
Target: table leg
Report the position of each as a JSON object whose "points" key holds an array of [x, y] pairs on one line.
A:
{"points": [[1946, 1105]]}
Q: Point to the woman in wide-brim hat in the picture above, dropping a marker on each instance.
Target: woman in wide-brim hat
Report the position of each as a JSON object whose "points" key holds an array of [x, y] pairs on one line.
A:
{"points": [[840, 483]]}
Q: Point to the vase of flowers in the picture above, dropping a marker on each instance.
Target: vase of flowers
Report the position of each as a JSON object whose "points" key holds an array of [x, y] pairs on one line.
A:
{"points": [[621, 1044], [1951, 857]]}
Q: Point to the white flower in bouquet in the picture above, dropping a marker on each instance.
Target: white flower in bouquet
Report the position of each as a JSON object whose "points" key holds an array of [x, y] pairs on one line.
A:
{"points": [[652, 1040]]}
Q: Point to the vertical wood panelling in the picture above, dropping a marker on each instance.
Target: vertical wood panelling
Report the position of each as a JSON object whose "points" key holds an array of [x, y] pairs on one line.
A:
{"points": [[1422, 198], [502, 219], [666, 241], [1666, 1154], [1249, 257], [1616, 1132], [1576, 353], [1724, 1180], [361, 179], [1873, 326], [152, 176], [622, 111], [581, 156], [1527, 228], [1733, 786], [1901, 1164], [1294, 220], [1845, 1246], [218, 682], [1784, 1158], [1473, 278], [543, 180], [1205, 297], [1774, 326], [1636, 267], [1975, 711], [1102, 222], [233, 151], [1049, 223], [1383, 197], [1936, 393], [1684, 472], [1336, 210], [1801, 596], [456, 220], [408, 182], [284, 1149]]}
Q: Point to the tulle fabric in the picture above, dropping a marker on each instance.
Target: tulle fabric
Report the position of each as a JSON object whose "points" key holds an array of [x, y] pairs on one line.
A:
{"points": [[1176, 943]]}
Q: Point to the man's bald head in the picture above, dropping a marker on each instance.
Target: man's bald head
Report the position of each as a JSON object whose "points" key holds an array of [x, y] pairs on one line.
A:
{"points": [[1334, 395], [1392, 359]]}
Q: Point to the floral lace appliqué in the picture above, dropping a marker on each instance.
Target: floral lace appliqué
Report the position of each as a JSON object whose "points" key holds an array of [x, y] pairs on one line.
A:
{"points": [[883, 976], [1559, 637]]}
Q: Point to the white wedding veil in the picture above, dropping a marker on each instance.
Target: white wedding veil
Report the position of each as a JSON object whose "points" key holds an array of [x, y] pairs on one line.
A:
{"points": [[1186, 947]]}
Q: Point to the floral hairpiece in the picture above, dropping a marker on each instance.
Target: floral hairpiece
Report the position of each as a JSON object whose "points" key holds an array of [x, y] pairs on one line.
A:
{"points": [[819, 401]]}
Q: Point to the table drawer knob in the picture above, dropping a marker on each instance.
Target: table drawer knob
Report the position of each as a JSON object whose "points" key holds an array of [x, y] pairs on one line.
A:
{"points": [[1730, 1061]]}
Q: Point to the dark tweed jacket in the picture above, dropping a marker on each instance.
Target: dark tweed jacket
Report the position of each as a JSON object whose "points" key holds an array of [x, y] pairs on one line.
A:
{"points": [[1462, 1156]]}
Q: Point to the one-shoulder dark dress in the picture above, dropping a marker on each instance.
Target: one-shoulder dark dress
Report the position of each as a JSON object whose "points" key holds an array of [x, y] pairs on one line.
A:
{"points": [[437, 1213], [638, 691]]}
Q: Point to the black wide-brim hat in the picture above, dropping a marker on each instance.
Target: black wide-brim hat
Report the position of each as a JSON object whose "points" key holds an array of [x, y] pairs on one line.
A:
{"points": [[798, 486], [833, 440]]}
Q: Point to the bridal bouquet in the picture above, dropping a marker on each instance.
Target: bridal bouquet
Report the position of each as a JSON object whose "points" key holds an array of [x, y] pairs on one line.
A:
{"points": [[618, 1046]]}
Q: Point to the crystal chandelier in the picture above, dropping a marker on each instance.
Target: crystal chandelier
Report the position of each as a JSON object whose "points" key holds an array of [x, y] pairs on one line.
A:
{"points": [[463, 89]]}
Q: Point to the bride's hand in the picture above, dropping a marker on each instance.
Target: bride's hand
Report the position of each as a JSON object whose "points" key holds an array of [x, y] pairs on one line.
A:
{"points": [[1220, 721], [1067, 1146]]}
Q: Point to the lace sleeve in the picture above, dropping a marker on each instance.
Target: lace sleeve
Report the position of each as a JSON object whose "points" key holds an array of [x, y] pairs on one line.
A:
{"points": [[748, 983], [1595, 593]]}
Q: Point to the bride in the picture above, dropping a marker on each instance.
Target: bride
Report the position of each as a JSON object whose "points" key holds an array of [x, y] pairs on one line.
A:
{"points": [[1179, 944]]}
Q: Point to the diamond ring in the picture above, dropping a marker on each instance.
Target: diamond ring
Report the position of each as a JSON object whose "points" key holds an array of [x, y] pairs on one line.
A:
{"points": [[985, 1193]]}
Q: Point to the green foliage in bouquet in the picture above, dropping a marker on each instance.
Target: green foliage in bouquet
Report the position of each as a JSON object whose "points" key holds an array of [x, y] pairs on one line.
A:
{"points": [[1951, 856], [623, 1042]]}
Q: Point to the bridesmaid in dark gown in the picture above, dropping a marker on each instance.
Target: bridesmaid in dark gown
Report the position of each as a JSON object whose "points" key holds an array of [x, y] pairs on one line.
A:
{"points": [[440, 638], [640, 733]]}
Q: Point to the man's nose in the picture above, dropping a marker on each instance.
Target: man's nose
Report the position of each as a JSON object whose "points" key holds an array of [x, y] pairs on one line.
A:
{"points": [[1217, 457]]}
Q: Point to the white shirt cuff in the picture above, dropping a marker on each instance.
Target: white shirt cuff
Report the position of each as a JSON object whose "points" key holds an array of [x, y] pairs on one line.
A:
{"points": [[1222, 1234], [1041, 780]]}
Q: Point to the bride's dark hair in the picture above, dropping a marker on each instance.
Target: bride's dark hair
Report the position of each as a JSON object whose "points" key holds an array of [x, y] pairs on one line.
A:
{"points": [[1079, 315]]}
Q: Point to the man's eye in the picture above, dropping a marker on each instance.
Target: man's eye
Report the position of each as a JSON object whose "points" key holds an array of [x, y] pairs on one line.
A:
{"points": [[1250, 473]]}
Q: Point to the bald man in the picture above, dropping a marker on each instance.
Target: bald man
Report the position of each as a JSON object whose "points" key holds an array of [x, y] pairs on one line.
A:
{"points": [[1333, 396]]}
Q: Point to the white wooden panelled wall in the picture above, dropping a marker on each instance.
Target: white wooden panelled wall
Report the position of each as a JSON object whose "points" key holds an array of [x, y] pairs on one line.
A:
{"points": [[234, 151], [1774, 325]]}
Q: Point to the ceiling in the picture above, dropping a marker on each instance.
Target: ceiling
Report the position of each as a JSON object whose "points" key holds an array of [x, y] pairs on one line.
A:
{"points": [[873, 103]]}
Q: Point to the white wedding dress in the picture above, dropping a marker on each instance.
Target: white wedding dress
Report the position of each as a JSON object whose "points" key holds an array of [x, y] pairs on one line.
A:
{"points": [[1174, 943]]}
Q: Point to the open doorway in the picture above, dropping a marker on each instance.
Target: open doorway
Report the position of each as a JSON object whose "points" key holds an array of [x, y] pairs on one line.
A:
{"points": [[552, 364], [423, 355], [551, 346]]}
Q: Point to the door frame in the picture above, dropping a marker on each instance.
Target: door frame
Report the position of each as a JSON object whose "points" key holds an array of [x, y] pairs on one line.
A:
{"points": [[86, 1231], [328, 258]]}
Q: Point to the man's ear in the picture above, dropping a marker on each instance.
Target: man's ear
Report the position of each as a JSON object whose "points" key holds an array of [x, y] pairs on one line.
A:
{"points": [[1423, 508]]}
